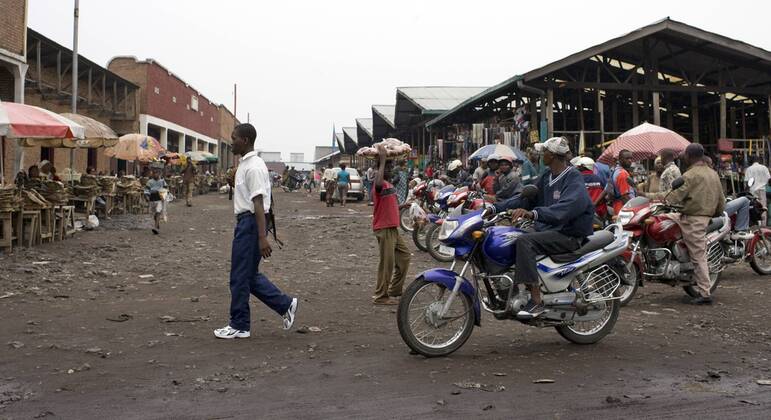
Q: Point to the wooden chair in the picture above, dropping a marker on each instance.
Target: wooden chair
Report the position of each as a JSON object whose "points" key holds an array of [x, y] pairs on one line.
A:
{"points": [[30, 228], [47, 225], [68, 221], [7, 234]]}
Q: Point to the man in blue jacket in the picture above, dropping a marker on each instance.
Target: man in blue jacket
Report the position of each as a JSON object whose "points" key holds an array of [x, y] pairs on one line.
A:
{"points": [[562, 212]]}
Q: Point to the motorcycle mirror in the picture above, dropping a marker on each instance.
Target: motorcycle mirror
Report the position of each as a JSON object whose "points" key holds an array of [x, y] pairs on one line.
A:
{"points": [[677, 183], [529, 191]]}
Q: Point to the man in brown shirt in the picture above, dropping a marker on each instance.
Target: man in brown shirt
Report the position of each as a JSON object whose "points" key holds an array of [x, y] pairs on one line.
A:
{"points": [[702, 198], [188, 178]]}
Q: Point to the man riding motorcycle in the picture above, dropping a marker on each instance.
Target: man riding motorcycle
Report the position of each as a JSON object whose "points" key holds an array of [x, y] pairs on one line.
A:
{"points": [[562, 212]]}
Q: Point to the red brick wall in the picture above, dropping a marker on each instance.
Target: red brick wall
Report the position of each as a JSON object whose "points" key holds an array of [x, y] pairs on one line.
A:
{"points": [[13, 25]]}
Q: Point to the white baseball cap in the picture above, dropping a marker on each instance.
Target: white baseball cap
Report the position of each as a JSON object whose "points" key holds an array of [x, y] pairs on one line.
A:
{"points": [[556, 145], [584, 161]]}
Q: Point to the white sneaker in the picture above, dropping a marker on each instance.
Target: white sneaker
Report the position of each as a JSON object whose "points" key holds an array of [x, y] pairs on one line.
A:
{"points": [[289, 315], [230, 332]]}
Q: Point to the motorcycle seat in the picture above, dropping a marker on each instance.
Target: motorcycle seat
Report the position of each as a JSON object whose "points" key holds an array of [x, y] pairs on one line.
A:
{"points": [[715, 224], [598, 240]]}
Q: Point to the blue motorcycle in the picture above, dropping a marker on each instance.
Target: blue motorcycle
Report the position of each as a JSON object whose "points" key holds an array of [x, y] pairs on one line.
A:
{"points": [[439, 310]]}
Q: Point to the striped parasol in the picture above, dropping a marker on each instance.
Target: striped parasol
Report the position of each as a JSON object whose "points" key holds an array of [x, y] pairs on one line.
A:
{"points": [[19, 121], [646, 141]]}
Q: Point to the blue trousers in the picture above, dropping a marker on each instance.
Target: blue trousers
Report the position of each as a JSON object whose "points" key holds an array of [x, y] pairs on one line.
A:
{"points": [[245, 278]]}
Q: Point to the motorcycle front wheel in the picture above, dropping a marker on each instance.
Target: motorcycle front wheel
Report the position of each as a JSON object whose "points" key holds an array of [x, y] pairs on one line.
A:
{"points": [[760, 260], [419, 237], [592, 331], [432, 244], [627, 292], [405, 220], [420, 325]]}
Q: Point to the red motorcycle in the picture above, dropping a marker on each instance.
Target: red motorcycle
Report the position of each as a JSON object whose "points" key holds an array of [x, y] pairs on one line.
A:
{"points": [[755, 247], [657, 252]]}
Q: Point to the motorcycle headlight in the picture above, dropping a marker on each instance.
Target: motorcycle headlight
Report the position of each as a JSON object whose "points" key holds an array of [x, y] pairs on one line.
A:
{"points": [[625, 217], [448, 227]]}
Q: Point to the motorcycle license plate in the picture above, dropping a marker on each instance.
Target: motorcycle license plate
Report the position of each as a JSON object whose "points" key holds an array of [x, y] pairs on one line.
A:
{"points": [[444, 249]]}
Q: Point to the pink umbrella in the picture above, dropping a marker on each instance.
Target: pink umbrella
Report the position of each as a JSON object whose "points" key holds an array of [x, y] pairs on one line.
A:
{"points": [[645, 141], [19, 121]]}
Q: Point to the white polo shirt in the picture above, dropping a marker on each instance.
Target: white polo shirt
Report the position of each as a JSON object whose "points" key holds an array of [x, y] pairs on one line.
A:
{"points": [[252, 179]]}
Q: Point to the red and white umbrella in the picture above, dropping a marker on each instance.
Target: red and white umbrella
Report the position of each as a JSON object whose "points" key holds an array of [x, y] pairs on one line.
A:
{"points": [[645, 141], [19, 121]]}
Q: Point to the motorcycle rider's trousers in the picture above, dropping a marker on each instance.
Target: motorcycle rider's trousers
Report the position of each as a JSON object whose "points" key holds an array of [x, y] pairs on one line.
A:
{"points": [[694, 231], [530, 245]]}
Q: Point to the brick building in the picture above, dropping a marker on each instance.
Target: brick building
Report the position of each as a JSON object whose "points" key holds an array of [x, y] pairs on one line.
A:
{"points": [[13, 62], [174, 112]]}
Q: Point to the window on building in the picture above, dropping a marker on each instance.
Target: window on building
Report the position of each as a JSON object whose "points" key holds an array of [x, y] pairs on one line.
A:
{"points": [[194, 103], [91, 162], [47, 153], [157, 90], [174, 99]]}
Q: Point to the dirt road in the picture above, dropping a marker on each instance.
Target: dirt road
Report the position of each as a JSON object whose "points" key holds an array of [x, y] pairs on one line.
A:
{"points": [[118, 323]]}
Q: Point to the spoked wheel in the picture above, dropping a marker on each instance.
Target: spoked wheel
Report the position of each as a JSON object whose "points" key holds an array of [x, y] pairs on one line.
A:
{"points": [[760, 260], [594, 326], [626, 291], [422, 327], [715, 254], [419, 237], [434, 246], [405, 220]]}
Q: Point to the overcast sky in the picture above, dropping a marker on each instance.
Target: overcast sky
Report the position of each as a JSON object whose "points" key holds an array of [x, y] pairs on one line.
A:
{"points": [[302, 66]]}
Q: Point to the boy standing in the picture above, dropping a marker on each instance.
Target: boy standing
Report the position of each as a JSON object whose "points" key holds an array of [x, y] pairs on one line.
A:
{"points": [[393, 250], [251, 202]]}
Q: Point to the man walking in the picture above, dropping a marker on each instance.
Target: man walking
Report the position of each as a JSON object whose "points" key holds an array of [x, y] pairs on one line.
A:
{"points": [[393, 250], [251, 203], [343, 183], [330, 185], [759, 175], [702, 198], [188, 178]]}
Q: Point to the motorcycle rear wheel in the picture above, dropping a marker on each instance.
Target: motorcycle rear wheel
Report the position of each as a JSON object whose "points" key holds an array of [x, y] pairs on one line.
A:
{"points": [[579, 333], [419, 237], [432, 244], [762, 265], [415, 309], [405, 220]]}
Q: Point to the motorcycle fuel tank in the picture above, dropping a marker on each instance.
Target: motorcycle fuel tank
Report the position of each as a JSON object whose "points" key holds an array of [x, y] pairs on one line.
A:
{"points": [[498, 245], [663, 229]]}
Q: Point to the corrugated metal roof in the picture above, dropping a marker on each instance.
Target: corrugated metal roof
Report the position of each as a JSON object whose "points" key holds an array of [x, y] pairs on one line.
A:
{"points": [[473, 99], [437, 98], [340, 141], [385, 112], [365, 124], [351, 139], [325, 157], [322, 151]]}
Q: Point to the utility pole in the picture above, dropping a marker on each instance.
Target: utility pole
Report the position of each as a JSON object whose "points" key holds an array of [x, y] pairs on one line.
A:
{"points": [[75, 76]]}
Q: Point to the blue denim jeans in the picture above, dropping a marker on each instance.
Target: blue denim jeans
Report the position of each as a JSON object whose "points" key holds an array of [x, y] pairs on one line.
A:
{"points": [[245, 278], [741, 207]]}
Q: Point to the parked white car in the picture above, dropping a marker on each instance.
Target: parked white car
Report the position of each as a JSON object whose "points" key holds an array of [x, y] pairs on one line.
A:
{"points": [[357, 187]]}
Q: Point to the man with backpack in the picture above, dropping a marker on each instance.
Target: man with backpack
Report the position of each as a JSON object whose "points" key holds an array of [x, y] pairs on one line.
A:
{"points": [[252, 206]]}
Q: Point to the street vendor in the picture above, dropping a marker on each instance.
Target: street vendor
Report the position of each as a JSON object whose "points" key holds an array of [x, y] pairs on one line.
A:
{"points": [[153, 190]]}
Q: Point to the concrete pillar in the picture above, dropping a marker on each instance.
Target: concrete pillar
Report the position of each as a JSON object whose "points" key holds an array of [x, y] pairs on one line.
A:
{"points": [[164, 137], [19, 74], [723, 127]]}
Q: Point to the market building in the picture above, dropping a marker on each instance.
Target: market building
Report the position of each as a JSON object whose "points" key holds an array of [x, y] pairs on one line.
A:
{"points": [[364, 132], [383, 125], [171, 110], [707, 87], [323, 155], [102, 95]]}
